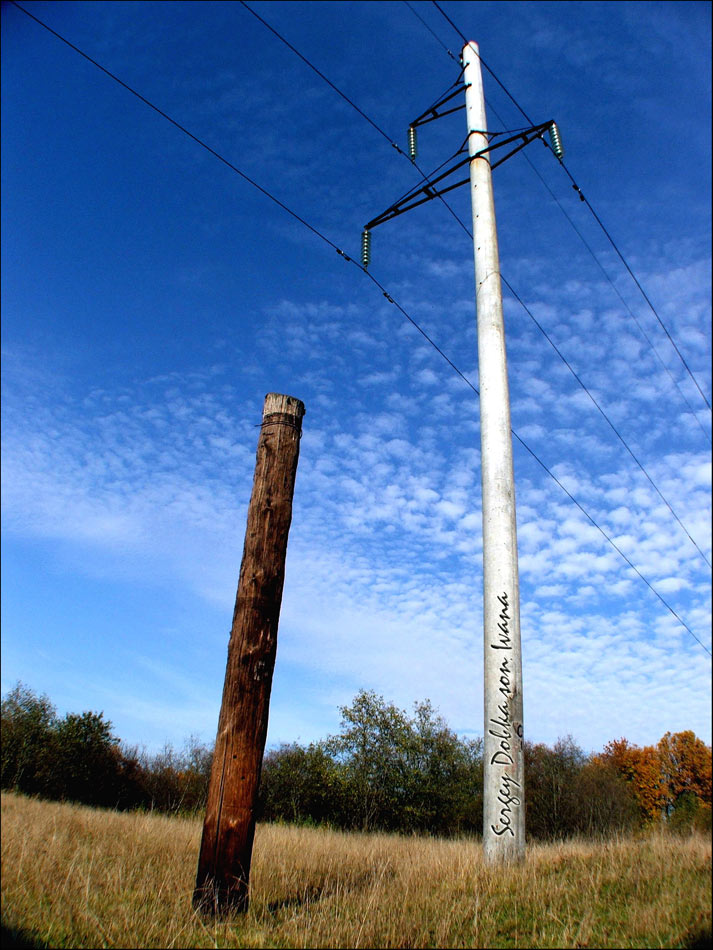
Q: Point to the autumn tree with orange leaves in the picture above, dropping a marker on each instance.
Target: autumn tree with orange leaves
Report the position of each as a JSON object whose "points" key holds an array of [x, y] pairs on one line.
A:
{"points": [[641, 767], [663, 777], [685, 769]]}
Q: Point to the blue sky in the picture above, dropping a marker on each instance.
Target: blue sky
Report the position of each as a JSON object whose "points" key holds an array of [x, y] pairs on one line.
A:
{"points": [[151, 298]]}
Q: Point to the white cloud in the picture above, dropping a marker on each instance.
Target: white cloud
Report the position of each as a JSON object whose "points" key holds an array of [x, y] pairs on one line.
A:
{"points": [[129, 436]]}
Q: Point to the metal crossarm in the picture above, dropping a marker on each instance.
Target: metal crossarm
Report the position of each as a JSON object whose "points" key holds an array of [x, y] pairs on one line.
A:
{"points": [[430, 114], [529, 136], [428, 191], [411, 199]]}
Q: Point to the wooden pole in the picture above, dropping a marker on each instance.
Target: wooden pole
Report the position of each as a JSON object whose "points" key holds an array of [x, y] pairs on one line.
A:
{"points": [[223, 873]]}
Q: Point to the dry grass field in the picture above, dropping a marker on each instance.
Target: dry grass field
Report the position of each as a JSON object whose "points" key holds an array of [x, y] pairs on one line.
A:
{"points": [[77, 877]]}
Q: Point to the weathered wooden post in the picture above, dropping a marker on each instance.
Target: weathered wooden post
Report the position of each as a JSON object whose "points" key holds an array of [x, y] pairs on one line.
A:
{"points": [[224, 862]]}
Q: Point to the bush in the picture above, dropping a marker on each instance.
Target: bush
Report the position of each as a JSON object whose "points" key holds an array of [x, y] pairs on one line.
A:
{"points": [[385, 770], [569, 793], [73, 759], [301, 785], [175, 781], [85, 765], [28, 724], [689, 814]]}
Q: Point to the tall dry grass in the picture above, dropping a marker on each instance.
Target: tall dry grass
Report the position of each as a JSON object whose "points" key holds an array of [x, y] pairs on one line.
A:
{"points": [[75, 877]]}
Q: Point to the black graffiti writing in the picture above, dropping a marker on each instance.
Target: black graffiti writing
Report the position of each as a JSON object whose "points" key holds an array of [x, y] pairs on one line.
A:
{"points": [[503, 624], [503, 732], [507, 799], [504, 687], [502, 728]]}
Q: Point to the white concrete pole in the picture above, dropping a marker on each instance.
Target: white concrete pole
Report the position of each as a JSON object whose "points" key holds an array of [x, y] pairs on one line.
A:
{"points": [[504, 787]]}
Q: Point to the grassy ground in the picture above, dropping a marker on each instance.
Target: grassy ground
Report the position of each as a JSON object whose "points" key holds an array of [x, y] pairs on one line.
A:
{"points": [[76, 877]]}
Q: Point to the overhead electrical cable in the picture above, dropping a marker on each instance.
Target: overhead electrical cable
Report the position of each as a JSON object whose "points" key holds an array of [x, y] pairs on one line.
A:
{"points": [[579, 234], [433, 34], [346, 98], [322, 76], [599, 221], [550, 473], [428, 177], [616, 290], [383, 290], [530, 122], [604, 416], [611, 283], [173, 122], [636, 281], [462, 36]]}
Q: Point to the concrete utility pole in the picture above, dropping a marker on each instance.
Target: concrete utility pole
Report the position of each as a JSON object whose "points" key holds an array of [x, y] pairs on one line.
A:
{"points": [[504, 787], [226, 848]]}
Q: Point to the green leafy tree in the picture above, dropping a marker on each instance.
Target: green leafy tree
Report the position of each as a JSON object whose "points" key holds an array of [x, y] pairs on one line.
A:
{"points": [[28, 723], [445, 777], [604, 800], [373, 750], [406, 773], [302, 784], [551, 782], [85, 759], [130, 792]]}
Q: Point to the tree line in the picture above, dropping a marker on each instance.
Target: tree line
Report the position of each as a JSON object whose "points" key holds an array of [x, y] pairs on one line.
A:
{"points": [[384, 770]]}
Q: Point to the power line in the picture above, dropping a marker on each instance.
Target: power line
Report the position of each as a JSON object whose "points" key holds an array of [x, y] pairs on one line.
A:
{"points": [[507, 92], [599, 221], [636, 281], [178, 125], [611, 283], [574, 226], [385, 293], [453, 25], [616, 290], [604, 416], [427, 178], [613, 543], [565, 361], [343, 95], [433, 34], [322, 76]]}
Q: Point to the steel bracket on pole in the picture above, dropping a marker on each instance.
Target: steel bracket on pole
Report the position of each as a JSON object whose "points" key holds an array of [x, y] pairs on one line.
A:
{"points": [[431, 113], [428, 191]]}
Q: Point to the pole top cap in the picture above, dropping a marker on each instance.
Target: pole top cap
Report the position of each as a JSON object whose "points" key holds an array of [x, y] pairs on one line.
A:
{"points": [[289, 405]]}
